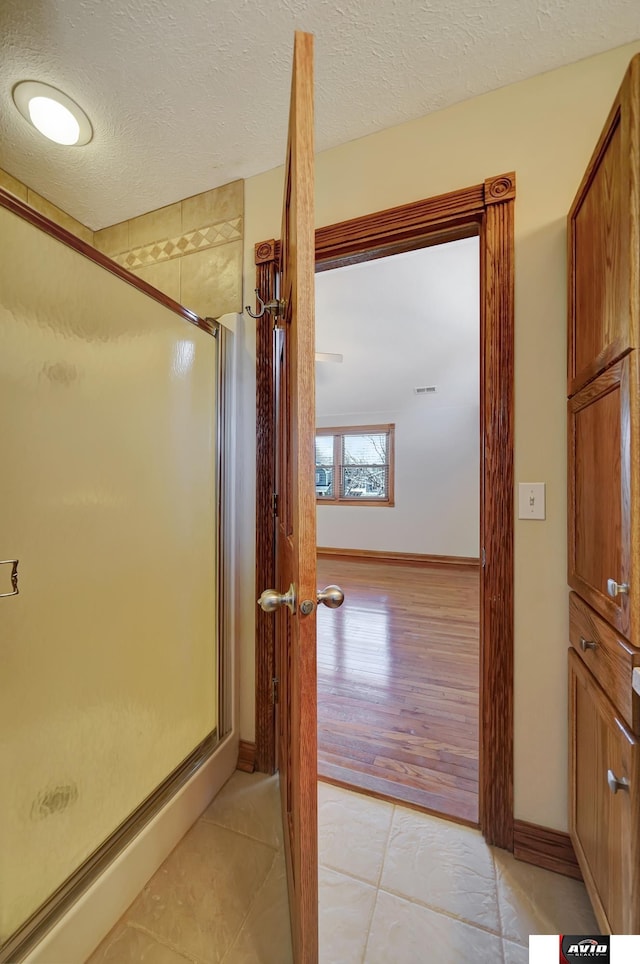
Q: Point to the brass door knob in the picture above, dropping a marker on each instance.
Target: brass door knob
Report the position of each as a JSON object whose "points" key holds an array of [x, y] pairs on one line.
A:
{"points": [[332, 597], [271, 599]]}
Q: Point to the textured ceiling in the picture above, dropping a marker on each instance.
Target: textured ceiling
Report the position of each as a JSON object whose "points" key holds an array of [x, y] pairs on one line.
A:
{"points": [[187, 95]]}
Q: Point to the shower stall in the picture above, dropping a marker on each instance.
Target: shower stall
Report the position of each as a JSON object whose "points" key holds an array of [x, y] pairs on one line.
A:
{"points": [[114, 599]]}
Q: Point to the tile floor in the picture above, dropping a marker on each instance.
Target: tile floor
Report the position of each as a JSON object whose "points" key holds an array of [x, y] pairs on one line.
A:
{"points": [[221, 896], [396, 887], [401, 887]]}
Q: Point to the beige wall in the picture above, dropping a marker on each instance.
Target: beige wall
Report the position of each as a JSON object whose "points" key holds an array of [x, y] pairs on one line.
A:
{"points": [[544, 129], [191, 250], [39, 203], [437, 438]]}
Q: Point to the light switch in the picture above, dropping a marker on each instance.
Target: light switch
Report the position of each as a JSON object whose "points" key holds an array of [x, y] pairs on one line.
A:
{"points": [[531, 500]]}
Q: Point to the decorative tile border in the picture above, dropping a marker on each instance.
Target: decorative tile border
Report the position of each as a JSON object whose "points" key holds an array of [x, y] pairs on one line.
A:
{"points": [[199, 240]]}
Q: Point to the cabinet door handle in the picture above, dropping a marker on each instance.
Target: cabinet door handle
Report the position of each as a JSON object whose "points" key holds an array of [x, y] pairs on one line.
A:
{"points": [[616, 783], [586, 644], [617, 588]]}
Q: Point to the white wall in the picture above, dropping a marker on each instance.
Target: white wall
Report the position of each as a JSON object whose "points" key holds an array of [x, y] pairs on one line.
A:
{"points": [[545, 129], [401, 322]]}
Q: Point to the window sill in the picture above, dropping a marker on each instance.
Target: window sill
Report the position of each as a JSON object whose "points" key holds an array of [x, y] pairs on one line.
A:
{"points": [[381, 504]]}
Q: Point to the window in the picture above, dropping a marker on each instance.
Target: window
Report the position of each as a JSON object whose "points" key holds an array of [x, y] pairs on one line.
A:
{"points": [[354, 465]]}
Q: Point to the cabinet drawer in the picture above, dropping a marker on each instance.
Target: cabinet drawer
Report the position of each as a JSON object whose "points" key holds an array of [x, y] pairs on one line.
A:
{"points": [[610, 658]]}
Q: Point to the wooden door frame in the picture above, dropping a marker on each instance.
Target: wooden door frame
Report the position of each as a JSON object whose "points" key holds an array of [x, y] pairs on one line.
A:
{"points": [[485, 210]]}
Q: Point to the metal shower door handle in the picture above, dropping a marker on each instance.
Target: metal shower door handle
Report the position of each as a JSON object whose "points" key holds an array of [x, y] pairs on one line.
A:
{"points": [[14, 576]]}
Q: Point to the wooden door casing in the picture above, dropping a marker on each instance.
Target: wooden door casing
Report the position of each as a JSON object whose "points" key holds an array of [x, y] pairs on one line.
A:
{"points": [[603, 825], [488, 210], [601, 517], [603, 240], [295, 543]]}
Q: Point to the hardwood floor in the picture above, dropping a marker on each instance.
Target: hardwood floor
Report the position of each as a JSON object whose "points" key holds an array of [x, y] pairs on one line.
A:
{"points": [[398, 669]]}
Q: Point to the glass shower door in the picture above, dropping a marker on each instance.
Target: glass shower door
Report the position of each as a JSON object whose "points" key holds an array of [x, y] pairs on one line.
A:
{"points": [[108, 500]]}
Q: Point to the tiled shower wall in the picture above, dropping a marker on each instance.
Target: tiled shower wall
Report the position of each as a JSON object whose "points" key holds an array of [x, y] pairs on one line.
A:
{"points": [[39, 203], [191, 250]]}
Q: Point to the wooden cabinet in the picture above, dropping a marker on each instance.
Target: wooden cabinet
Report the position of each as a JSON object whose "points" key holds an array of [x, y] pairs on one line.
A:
{"points": [[603, 243], [605, 801], [608, 657], [602, 521], [604, 515]]}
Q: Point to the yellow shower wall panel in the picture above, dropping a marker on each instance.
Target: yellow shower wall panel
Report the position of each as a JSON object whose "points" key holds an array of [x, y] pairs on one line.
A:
{"points": [[165, 277], [58, 216], [13, 185], [213, 277], [108, 500], [39, 203], [191, 250]]}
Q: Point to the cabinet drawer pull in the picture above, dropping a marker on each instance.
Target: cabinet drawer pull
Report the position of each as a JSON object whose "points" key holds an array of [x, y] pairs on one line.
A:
{"points": [[616, 783], [586, 644], [617, 588]]}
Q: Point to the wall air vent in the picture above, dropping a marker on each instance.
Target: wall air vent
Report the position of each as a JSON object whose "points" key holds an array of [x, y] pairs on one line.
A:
{"points": [[425, 390]]}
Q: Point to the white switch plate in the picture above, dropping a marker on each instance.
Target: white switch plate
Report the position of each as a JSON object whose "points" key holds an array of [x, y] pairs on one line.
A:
{"points": [[531, 500]]}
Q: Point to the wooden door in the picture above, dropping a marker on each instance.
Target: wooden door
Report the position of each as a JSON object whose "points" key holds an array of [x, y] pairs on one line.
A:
{"points": [[603, 237], [604, 818], [601, 516], [296, 516]]}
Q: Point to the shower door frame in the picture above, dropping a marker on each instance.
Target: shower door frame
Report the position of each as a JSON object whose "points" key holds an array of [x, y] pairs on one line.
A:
{"points": [[40, 922]]}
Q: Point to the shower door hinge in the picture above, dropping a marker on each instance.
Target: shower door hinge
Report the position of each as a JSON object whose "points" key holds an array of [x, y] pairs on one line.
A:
{"points": [[214, 325], [275, 696], [274, 502]]}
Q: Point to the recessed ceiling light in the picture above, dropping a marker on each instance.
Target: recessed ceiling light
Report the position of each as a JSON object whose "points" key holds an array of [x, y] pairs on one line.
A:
{"points": [[52, 113]]}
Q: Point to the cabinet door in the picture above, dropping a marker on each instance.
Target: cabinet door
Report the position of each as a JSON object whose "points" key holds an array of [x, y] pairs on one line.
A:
{"points": [[603, 236], [600, 512], [604, 817]]}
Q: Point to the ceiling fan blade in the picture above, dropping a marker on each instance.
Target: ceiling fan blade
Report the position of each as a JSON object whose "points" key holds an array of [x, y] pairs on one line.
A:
{"points": [[328, 356]]}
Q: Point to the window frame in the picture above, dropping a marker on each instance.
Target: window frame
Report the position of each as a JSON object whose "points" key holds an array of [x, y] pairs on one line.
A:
{"points": [[338, 432]]}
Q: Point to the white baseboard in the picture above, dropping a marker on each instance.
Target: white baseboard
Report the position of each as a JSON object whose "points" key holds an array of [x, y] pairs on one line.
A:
{"points": [[76, 936]]}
